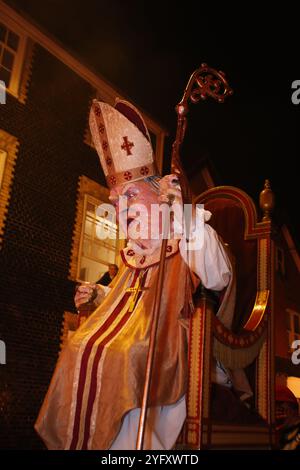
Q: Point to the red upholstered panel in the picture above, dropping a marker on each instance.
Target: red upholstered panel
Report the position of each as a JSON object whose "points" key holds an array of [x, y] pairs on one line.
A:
{"points": [[228, 220]]}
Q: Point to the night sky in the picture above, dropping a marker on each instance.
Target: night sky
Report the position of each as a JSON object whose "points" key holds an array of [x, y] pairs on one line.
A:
{"points": [[148, 50]]}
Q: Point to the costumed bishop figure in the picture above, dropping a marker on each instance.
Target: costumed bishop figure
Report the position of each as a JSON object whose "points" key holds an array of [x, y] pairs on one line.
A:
{"points": [[95, 395]]}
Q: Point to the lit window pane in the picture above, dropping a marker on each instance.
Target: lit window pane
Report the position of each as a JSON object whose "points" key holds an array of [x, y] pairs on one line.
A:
{"points": [[13, 40], [99, 242], [2, 32], [111, 256], [98, 252], [111, 243], [87, 247], [105, 230], [88, 229], [7, 59], [5, 76], [83, 273]]}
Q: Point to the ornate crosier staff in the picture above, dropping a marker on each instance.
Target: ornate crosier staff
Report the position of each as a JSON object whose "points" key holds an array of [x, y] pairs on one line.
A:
{"points": [[204, 82]]}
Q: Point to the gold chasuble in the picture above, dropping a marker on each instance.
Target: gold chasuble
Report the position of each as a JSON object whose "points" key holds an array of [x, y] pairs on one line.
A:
{"points": [[100, 374]]}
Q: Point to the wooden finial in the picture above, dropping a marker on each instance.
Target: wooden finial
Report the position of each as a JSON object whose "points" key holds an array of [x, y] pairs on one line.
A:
{"points": [[267, 201]]}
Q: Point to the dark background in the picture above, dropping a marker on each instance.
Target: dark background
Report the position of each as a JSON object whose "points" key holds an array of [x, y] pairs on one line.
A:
{"points": [[149, 49]]}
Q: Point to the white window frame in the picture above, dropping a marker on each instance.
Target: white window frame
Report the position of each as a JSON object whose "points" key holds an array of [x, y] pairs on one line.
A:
{"points": [[16, 74]]}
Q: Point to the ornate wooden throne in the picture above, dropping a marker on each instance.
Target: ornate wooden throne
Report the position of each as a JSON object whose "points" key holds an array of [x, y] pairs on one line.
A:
{"points": [[248, 344]]}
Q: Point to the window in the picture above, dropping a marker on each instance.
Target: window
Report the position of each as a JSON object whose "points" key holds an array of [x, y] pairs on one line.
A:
{"points": [[95, 236], [8, 155], [12, 51], [99, 241], [3, 156], [293, 325]]}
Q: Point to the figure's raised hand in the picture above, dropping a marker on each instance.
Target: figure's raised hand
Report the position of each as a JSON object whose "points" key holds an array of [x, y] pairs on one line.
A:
{"points": [[84, 293], [170, 189]]}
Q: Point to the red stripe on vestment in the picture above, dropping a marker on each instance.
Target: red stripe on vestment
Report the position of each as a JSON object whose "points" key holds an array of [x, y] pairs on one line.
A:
{"points": [[97, 358], [85, 358]]}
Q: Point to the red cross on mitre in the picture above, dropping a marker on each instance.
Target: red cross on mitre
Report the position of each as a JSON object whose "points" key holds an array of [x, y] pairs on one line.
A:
{"points": [[127, 145]]}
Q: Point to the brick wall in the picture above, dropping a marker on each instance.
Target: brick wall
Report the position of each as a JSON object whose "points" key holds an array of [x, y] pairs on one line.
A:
{"points": [[34, 260]]}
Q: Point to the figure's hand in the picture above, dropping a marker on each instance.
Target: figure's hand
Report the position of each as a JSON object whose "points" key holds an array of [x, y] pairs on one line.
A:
{"points": [[87, 292], [170, 187]]}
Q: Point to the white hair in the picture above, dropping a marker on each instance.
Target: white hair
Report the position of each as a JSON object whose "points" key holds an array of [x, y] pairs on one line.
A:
{"points": [[153, 181]]}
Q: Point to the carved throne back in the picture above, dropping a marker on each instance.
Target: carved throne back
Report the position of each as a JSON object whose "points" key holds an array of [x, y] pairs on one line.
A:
{"points": [[248, 344]]}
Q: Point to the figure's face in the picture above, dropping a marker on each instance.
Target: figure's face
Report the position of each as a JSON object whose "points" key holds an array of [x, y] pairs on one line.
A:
{"points": [[112, 270], [139, 196]]}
